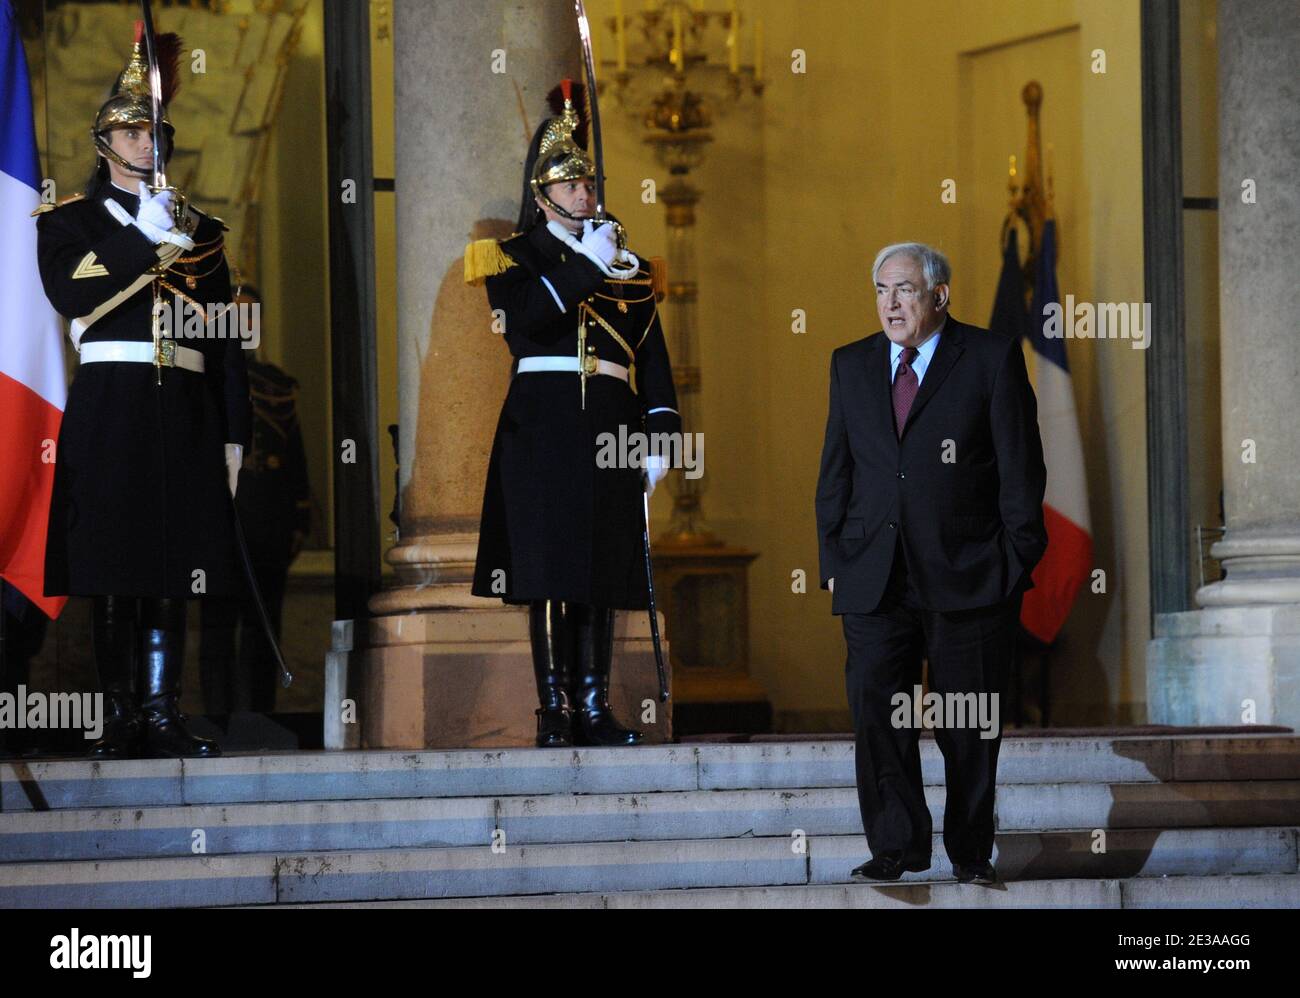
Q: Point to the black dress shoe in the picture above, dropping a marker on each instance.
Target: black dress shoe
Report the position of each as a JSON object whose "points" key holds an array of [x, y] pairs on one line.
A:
{"points": [[890, 866], [980, 872]]}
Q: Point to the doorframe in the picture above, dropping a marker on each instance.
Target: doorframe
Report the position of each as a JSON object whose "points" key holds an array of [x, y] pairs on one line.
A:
{"points": [[354, 377], [1168, 487]]}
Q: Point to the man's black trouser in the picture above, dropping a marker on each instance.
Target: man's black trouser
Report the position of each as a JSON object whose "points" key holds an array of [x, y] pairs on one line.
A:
{"points": [[969, 651]]}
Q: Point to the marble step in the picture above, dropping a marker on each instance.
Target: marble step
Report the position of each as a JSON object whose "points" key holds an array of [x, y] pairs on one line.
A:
{"points": [[307, 776], [1258, 891], [607, 867], [223, 829]]}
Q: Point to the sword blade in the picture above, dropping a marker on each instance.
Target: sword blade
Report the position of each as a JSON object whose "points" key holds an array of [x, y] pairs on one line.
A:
{"points": [[155, 94], [286, 677], [593, 106]]}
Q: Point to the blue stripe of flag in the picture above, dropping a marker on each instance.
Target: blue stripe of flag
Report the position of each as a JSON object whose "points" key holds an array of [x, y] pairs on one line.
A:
{"points": [[1045, 292], [18, 156]]}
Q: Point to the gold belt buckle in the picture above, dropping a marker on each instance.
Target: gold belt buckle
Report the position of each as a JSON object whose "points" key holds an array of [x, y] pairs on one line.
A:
{"points": [[167, 353], [589, 364]]}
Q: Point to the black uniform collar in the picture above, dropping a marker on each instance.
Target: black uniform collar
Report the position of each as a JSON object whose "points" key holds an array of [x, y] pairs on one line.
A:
{"points": [[129, 201]]}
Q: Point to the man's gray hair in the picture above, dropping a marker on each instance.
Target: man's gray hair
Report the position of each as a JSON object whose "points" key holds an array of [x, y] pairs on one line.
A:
{"points": [[934, 265]]}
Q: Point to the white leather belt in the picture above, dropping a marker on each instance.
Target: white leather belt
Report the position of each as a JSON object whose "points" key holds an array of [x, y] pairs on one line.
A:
{"points": [[535, 364], [141, 352]]}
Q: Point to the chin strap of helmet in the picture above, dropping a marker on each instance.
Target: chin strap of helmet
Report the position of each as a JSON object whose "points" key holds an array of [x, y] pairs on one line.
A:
{"points": [[108, 152], [541, 195]]}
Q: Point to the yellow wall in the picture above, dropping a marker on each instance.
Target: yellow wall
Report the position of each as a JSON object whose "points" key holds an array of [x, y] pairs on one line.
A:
{"points": [[799, 193]]}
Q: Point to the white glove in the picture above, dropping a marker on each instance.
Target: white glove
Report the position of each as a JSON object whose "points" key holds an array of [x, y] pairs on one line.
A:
{"points": [[599, 243], [656, 466], [154, 216], [234, 460], [831, 583]]}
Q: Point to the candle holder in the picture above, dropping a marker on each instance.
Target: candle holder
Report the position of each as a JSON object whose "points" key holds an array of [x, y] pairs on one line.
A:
{"points": [[701, 47]]}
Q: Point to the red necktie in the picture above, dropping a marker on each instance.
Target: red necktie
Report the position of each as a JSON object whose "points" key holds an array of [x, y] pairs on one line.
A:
{"points": [[905, 385]]}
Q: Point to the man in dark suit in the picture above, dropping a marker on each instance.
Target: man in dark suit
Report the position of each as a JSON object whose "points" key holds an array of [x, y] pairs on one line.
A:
{"points": [[930, 520]]}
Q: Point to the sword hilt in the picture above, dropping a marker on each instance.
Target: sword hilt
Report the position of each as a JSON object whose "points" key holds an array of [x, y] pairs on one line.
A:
{"points": [[179, 201], [620, 233]]}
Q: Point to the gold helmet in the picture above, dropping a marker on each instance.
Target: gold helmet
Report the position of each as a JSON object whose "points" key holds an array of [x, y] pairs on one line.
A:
{"points": [[131, 103], [558, 151]]}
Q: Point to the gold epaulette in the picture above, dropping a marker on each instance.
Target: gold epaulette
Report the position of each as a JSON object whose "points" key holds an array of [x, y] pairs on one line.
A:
{"points": [[485, 258], [50, 207], [658, 276]]}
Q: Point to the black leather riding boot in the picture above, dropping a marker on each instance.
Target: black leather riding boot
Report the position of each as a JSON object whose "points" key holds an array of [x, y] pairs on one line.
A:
{"points": [[552, 654], [165, 736], [115, 637], [594, 723]]}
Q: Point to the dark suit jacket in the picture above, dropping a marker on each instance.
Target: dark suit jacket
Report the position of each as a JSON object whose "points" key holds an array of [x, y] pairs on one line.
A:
{"points": [[963, 487]]}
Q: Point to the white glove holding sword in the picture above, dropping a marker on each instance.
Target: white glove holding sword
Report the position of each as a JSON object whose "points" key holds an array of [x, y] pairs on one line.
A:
{"points": [[154, 216], [599, 244]]}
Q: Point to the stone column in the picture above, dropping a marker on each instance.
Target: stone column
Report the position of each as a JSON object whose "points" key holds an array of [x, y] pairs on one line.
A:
{"points": [[442, 668], [1241, 651]]}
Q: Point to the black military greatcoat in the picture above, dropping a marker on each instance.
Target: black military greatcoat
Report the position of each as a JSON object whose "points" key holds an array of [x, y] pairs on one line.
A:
{"points": [[554, 524], [141, 505]]}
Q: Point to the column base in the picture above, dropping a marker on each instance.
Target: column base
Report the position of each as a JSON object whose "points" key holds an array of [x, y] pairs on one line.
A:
{"points": [[434, 572], [463, 678], [1225, 665], [1260, 567]]}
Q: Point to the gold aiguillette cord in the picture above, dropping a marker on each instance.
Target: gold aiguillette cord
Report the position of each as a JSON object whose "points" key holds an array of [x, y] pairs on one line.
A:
{"points": [[157, 331]]}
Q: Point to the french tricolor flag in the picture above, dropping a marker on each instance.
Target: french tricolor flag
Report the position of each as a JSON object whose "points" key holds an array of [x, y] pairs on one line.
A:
{"points": [[33, 389], [1068, 559]]}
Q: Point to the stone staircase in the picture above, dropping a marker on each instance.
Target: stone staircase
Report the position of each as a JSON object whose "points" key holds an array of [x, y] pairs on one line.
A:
{"points": [[1150, 821]]}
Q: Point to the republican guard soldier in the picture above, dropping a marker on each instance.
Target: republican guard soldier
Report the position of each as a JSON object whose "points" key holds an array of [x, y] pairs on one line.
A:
{"points": [[141, 518], [561, 531]]}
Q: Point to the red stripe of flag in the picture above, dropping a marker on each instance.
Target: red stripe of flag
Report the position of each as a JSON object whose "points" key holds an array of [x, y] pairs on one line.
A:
{"points": [[26, 455], [1063, 569]]}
